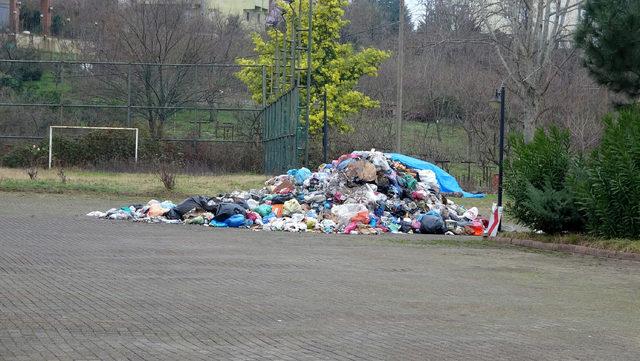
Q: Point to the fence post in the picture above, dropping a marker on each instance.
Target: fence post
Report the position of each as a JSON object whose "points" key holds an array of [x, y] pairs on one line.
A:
{"points": [[264, 86], [60, 70], [325, 131], [137, 142], [196, 84], [276, 87], [129, 95], [50, 145], [309, 69]]}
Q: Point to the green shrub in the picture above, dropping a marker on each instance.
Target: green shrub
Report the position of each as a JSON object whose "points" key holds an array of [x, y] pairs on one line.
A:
{"points": [[537, 183], [25, 156], [609, 188], [29, 72], [9, 82], [92, 148]]}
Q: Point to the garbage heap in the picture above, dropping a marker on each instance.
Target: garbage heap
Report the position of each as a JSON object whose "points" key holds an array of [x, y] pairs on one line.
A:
{"points": [[363, 192]]}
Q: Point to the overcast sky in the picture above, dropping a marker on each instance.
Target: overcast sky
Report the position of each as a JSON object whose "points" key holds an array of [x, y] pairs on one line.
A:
{"points": [[414, 7]]}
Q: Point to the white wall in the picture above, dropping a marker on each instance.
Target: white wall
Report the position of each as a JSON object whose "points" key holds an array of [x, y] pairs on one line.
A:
{"points": [[4, 15]]}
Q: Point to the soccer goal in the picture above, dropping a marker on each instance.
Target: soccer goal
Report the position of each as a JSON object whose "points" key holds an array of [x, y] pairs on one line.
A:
{"points": [[51, 128]]}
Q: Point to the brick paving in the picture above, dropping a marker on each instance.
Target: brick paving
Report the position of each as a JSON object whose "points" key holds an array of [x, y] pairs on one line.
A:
{"points": [[75, 288]]}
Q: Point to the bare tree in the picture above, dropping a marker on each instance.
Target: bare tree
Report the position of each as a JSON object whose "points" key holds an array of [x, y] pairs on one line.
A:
{"points": [[151, 36], [228, 41], [532, 40]]}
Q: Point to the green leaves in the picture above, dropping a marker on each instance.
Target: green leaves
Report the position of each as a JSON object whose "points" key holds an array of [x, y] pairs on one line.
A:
{"points": [[608, 34], [336, 67], [537, 182], [609, 190], [554, 191]]}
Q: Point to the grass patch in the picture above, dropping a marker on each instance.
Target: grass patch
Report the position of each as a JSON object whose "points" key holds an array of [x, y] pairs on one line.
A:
{"points": [[452, 137], [483, 204], [125, 184]]}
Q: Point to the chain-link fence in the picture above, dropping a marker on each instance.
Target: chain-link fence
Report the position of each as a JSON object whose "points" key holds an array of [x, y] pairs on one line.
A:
{"points": [[200, 111]]}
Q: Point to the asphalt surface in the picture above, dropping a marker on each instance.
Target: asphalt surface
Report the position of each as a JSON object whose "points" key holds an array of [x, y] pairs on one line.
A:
{"points": [[77, 288]]}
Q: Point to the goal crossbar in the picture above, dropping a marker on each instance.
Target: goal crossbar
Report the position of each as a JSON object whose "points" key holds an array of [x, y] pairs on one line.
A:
{"points": [[136, 130]]}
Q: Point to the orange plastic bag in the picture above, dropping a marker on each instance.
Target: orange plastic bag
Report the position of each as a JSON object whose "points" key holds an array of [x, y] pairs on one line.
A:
{"points": [[156, 210], [361, 217], [277, 209]]}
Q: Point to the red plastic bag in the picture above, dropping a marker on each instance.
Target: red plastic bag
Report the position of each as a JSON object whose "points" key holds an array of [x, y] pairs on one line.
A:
{"points": [[475, 229]]}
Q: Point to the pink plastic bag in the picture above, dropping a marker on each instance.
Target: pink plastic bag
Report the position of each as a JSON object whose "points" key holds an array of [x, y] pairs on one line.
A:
{"points": [[350, 228]]}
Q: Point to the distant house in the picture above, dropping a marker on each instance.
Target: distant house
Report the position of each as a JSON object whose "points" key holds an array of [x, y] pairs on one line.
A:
{"points": [[251, 12]]}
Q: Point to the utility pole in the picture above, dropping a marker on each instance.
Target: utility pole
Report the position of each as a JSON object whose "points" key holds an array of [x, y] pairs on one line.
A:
{"points": [[45, 10], [14, 10], [400, 70]]}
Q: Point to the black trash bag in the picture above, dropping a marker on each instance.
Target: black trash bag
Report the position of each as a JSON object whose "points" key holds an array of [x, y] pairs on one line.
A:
{"points": [[432, 224], [192, 203], [405, 227], [383, 184], [241, 202], [173, 214], [226, 210], [454, 217], [398, 211], [280, 199]]}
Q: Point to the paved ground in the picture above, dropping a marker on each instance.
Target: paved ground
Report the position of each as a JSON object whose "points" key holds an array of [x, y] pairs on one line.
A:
{"points": [[72, 287]]}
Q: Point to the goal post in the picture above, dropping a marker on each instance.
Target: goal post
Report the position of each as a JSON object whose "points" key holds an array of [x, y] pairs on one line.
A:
{"points": [[136, 130]]}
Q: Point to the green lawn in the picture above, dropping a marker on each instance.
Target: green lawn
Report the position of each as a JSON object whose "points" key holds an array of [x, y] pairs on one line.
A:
{"points": [[420, 136], [185, 123], [483, 204], [126, 184]]}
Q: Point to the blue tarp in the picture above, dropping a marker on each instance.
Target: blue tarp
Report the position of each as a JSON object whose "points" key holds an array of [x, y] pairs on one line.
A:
{"points": [[448, 183]]}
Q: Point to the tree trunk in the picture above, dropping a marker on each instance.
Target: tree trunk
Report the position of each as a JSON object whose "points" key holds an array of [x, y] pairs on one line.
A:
{"points": [[532, 112], [152, 125], [160, 125]]}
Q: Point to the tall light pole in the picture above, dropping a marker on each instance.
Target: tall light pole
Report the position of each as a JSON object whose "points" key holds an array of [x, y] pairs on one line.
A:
{"points": [[499, 100], [501, 155], [400, 70]]}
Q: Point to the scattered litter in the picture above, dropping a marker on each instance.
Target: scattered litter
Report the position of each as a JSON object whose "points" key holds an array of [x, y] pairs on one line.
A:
{"points": [[364, 192]]}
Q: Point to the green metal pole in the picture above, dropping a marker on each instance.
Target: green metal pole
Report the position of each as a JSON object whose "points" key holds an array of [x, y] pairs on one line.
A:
{"points": [[309, 69], [264, 85], [293, 49], [129, 95], [277, 61], [325, 131]]}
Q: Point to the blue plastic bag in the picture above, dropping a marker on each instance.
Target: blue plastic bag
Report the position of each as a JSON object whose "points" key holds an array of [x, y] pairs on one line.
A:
{"points": [[268, 218], [448, 184], [214, 223], [300, 175], [235, 221]]}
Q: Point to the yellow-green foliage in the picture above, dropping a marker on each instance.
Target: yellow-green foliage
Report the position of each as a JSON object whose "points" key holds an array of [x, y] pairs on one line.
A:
{"points": [[336, 67]]}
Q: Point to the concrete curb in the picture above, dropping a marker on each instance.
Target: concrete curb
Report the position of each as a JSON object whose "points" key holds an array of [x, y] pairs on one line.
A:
{"points": [[568, 248]]}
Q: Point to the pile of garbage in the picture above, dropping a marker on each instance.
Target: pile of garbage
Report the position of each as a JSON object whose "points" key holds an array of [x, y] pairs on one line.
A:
{"points": [[364, 192]]}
